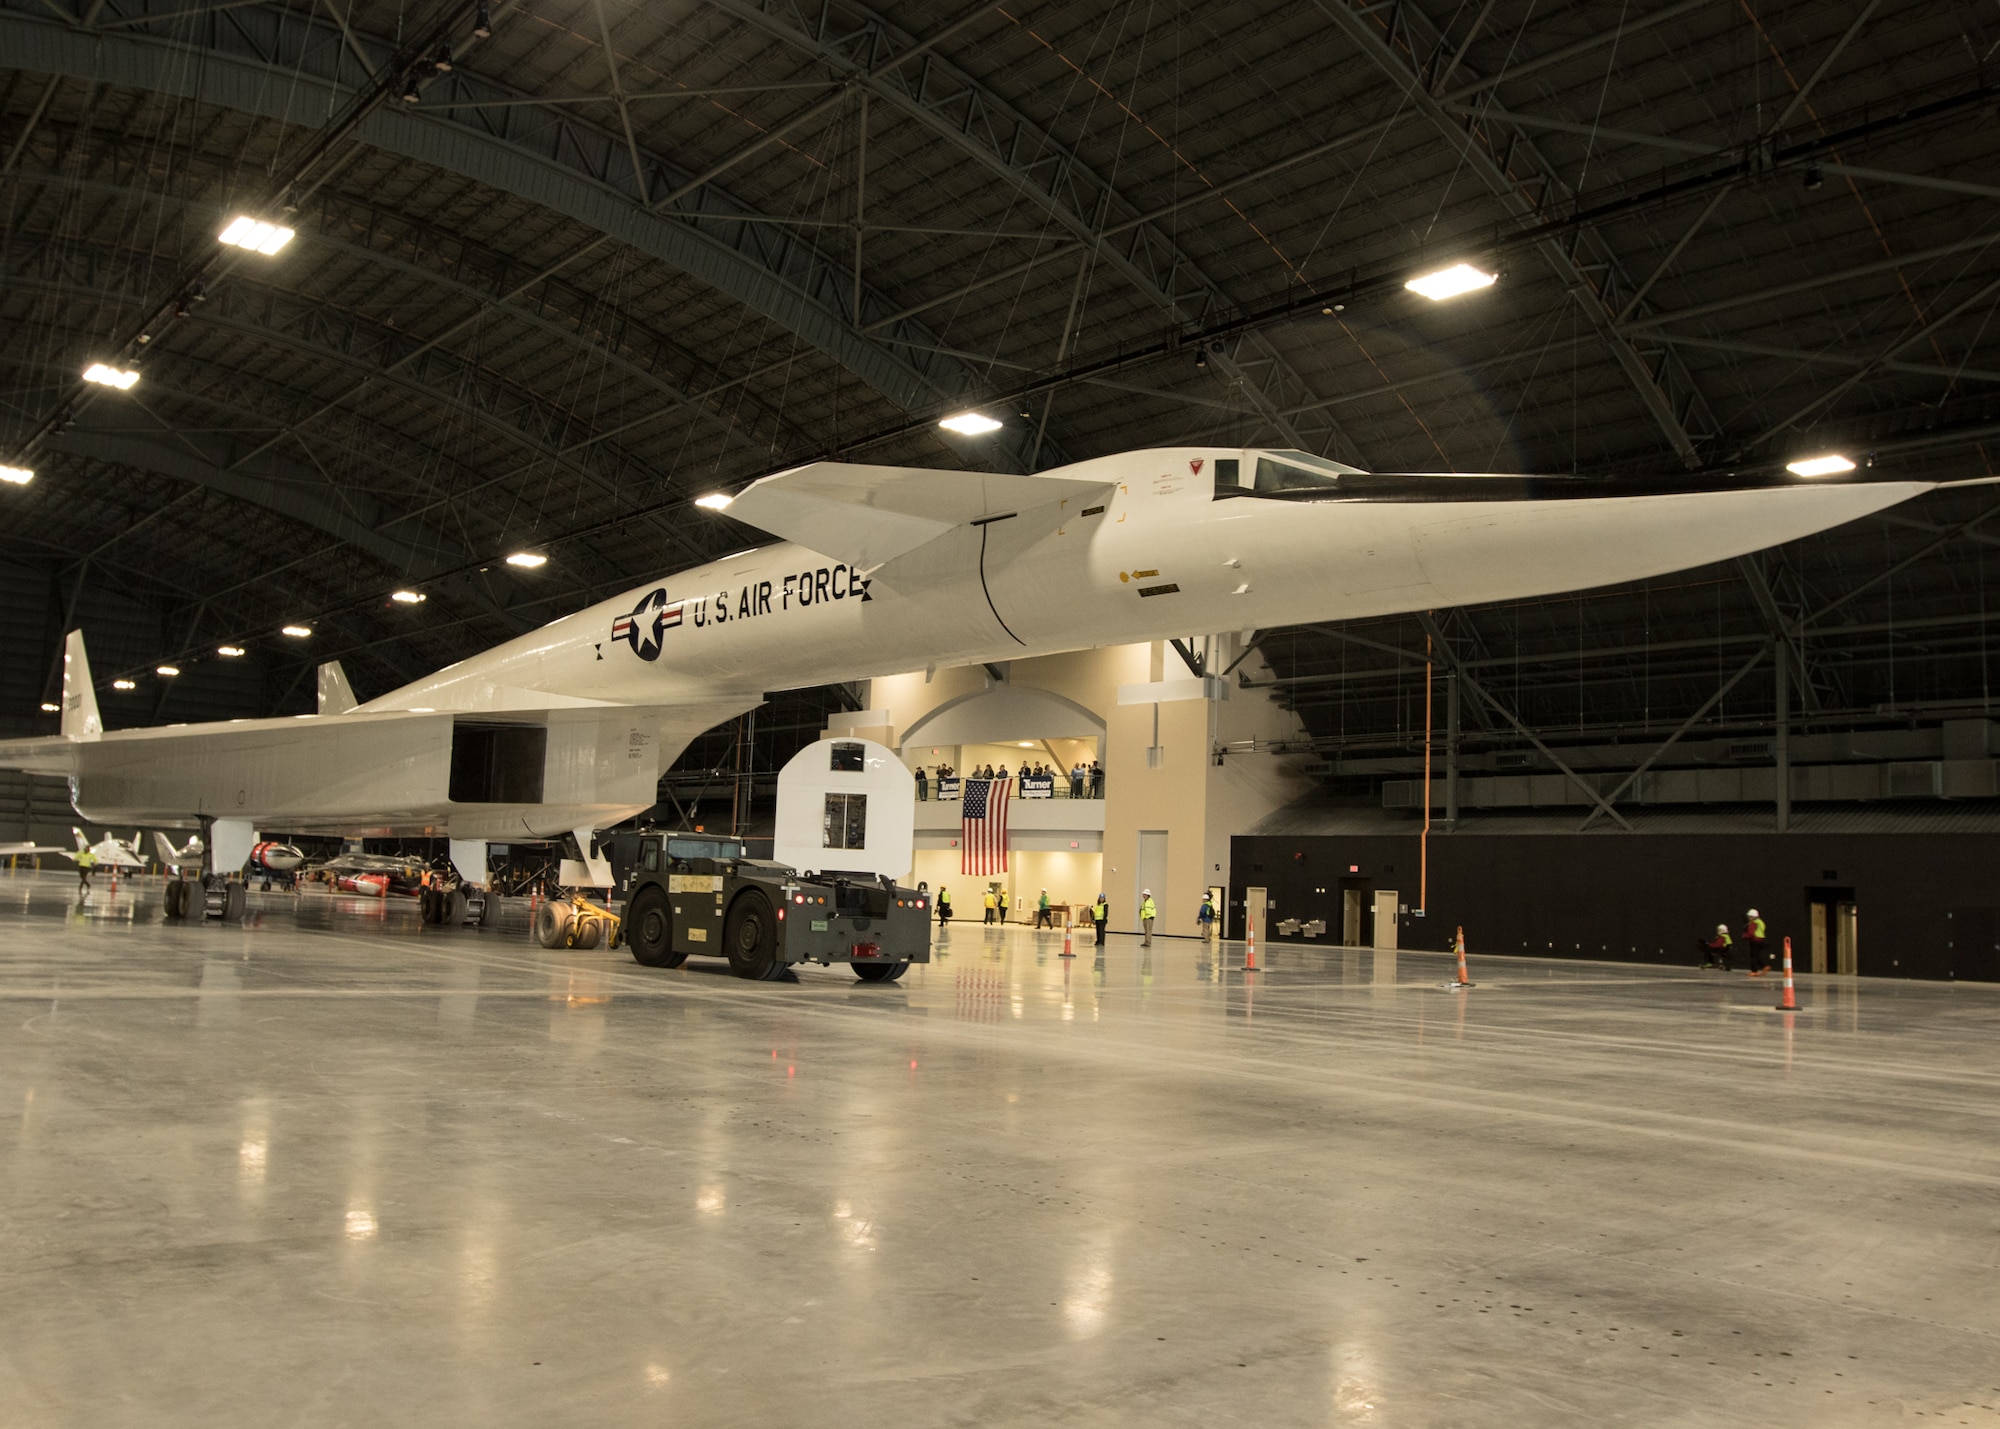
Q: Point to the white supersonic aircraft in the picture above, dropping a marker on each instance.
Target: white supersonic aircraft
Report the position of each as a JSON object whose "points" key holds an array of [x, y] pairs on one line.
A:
{"points": [[886, 569]]}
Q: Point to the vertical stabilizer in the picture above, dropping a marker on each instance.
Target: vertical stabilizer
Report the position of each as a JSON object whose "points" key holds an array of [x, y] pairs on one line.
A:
{"points": [[80, 719], [336, 696]]}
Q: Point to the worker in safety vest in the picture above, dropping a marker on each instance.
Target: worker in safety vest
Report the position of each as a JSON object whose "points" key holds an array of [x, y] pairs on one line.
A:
{"points": [[85, 862], [944, 904], [1753, 943], [1003, 905], [1045, 916], [1100, 914], [1205, 918], [1147, 913], [1715, 950], [992, 905]]}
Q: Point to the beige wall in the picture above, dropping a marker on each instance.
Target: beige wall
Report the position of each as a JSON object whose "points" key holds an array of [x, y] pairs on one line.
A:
{"points": [[1197, 802]]}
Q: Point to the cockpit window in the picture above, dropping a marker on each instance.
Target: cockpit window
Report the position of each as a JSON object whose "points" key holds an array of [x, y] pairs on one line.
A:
{"points": [[1318, 463], [1275, 476]]}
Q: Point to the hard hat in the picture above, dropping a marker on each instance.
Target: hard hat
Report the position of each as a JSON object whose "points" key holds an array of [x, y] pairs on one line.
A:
{"points": [[1721, 927], [1145, 893], [1753, 912]]}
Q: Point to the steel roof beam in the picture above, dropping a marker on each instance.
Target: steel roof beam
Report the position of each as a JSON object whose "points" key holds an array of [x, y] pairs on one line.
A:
{"points": [[1663, 386], [860, 46], [283, 66]]}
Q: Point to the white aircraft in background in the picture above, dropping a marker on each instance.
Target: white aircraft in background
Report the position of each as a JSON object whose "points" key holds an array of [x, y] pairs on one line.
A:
{"points": [[886, 569], [110, 851], [10, 850], [177, 858]]}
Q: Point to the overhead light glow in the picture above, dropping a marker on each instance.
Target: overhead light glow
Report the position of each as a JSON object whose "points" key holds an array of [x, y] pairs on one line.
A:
{"points": [[970, 424], [229, 652], [1829, 465], [1450, 282], [168, 670], [123, 685], [527, 560], [409, 597], [256, 235], [714, 501], [297, 632], [19, 475], [48, 708], [121, 378]]}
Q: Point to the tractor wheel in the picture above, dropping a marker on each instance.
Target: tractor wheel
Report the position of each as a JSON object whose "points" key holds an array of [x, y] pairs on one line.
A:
{"points": [[750, 937], [879, 972], [649, 929]]}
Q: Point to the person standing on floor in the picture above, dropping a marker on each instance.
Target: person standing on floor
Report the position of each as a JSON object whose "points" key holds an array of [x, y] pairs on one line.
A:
{"points": [[923, 785], [944, 904], [1205, 919], [1003, 905], [1100, 914], [85, 862], [1754, 945], [1147, 913], [1045, 916], [992, 905]]}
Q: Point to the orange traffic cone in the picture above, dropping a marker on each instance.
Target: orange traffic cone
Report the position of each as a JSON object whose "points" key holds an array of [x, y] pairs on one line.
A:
{"points": [[1463, 980], [1068, 951], [1250, 944], [1791, 1002]]}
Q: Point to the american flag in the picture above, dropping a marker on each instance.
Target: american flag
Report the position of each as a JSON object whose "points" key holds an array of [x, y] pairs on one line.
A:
{"points": [[983, 809]]}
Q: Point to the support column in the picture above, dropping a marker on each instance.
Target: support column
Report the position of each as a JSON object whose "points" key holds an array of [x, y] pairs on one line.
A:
{"points": [[1451, 750], [1782, 744]]}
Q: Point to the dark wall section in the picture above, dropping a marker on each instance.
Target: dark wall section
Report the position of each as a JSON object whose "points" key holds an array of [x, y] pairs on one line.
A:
{"points": [[1928, 904]]}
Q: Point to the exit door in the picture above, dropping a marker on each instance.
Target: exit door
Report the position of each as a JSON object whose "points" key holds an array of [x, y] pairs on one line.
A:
{"points": [[1357, 913], [1253, 910], [1385, 918], [1834, 923]]}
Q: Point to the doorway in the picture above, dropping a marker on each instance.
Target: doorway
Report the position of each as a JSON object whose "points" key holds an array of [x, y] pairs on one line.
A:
{"points": [[1357, 912], [1253, 911], [1153, 871], [1834, 923]]}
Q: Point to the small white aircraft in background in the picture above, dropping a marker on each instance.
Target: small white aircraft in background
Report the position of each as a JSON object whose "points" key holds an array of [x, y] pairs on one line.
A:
{"points": [[178, 858], [110, 852]]}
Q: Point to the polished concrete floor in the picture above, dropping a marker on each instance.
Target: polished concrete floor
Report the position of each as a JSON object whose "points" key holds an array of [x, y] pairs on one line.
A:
{"points": [[335, 1168]]}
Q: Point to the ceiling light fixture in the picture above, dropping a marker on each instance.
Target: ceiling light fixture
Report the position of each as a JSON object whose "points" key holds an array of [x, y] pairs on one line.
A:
{"points": [[297, 632], [1832, 464], [409, 597], [121, 378], [123, 685], [1450, 282], [255, 234], [410, 95], [48, 708], [168, 670], [527, 560], [970, 424], [482, 22], [19, 475], [714, 501], [441, 62], [229, 652]]}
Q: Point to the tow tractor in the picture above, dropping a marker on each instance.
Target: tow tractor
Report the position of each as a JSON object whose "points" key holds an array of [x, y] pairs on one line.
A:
{"points": [[698, 895]]}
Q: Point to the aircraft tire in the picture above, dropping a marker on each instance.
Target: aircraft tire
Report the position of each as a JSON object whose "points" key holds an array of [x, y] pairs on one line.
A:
{"points": [[552, 924], [235, 901], [176, 899], [750, 937], [879, 972], [453, 907], [649, 930], [588, 931]]}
